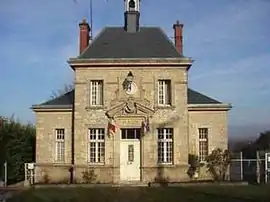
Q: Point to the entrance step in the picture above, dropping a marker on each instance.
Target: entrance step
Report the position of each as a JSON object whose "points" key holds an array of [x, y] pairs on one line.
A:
{"points": [[131, 184]]}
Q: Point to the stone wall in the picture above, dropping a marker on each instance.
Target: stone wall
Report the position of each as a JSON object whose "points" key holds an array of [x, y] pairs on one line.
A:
{"points": [[185, 124], [46, 123], [146, 81], [216, 122]]}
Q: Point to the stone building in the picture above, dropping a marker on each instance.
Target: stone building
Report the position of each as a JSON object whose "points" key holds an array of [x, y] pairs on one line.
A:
{"points": [[131, 115]]}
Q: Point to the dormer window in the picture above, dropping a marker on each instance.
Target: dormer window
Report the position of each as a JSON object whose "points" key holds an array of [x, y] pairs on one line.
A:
{"points": [[131, 5]]}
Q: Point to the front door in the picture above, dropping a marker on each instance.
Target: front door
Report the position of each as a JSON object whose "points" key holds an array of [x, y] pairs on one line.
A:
{"points": [[130, 154]]}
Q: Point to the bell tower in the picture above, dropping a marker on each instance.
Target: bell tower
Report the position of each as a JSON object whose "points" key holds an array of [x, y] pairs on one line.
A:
{"points": [[132, 15]]}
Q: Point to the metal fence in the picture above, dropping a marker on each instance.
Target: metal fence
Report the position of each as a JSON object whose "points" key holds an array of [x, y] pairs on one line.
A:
{"points": [[249, 167]]}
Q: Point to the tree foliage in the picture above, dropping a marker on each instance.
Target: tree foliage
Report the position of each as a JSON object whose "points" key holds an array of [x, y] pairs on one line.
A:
{"points": [[217, 163], [17, 146], [262, 143], [67, 88]]}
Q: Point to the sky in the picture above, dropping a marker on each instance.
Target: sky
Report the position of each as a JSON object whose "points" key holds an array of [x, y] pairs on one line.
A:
{"points": [[228, 40]]}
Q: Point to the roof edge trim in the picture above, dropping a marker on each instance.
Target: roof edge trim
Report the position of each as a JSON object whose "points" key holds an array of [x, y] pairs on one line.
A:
{"points": [[75, 62], [51, 107], [209, 107]]}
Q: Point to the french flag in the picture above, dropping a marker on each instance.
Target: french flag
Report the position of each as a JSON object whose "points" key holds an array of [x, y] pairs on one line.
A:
{"points": [[112, 127], [146, 125]]}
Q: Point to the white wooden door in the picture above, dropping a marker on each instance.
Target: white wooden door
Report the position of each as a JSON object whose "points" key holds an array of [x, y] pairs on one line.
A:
{"points": [[130, 160]]}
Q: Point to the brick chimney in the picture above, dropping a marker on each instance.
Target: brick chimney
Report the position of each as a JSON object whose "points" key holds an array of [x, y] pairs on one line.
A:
{"points": [[178, 37], [84, 35]]}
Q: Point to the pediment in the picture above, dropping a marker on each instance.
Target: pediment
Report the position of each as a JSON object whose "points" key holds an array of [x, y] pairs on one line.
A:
{"points": [[129, 107]]}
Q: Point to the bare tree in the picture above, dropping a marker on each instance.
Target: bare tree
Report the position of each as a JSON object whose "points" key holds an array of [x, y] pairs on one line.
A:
{"points": [[66, 88]]}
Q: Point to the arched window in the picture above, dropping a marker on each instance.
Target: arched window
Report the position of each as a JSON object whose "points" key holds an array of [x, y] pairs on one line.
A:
{"points": [[131, 5]]}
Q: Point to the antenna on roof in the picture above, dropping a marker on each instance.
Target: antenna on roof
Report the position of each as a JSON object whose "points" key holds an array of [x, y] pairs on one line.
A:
{"points": [[91, 18]]}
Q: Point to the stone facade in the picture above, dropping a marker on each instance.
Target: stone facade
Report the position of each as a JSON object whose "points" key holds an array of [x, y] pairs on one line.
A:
{"points": [[184, 120], [77, 132]]}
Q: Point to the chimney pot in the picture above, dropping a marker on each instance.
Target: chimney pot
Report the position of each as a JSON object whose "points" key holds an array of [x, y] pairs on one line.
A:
{"points": [[84, 35], [178, 37]]}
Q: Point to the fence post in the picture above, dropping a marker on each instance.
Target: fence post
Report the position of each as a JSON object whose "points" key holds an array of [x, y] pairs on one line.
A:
{"points": [[241, 166], [258, 167], [266, 168], [5, 166]]}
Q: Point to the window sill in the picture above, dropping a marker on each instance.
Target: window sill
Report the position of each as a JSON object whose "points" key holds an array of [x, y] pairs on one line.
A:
{"points": [[61, 164], [165, 107], [96, 164], [165, 165], [94, 107]]}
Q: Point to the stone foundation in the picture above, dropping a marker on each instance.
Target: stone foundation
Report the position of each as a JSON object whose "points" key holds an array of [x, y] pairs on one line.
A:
{"points": [[169, 173], [53, 173], [107, 174]]}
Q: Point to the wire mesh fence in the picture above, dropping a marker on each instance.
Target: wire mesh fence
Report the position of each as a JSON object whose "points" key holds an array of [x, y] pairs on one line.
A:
{"points": [[248, 167]]}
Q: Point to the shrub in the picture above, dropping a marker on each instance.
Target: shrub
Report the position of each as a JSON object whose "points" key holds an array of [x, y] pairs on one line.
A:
{"points": [[194, 166], [160, 178], [89, 176], [45, 178], [217, 163]]}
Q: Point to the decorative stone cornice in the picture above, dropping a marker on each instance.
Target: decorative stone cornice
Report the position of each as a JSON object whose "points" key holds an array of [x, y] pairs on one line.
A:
{"points": [[129, 108], [134, 62]]}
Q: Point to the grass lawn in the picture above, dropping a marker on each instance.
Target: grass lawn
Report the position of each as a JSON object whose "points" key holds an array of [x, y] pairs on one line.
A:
{"points": [[147, 194]]}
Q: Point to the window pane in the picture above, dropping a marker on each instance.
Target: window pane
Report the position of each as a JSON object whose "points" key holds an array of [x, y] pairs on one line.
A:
{"points": [[92, 152], [168, 92], [96, 92], [161, 92], [130, 133], [96, 145], [60, 145], [164, 92], [160, 152], [203, 143], [165, 145]]}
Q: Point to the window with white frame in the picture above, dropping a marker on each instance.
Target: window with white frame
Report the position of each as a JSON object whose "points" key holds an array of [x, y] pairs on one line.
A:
{"points": [[165, 145], [60, 145], [203, 143], [164, 92], [96, 94], [96, 145]]}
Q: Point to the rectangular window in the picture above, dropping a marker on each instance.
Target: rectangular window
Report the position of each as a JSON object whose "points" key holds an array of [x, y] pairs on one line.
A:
{"points": [[96, 95], [164, 92], [60, 145], [96, 145], [165, 145], [203, 143]]}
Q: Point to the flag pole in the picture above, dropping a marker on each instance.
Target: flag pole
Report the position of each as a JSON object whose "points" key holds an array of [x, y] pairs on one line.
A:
{"points": [[91, 18]]}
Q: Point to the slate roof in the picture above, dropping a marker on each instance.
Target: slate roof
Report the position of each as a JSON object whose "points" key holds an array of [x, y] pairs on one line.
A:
{"points": [[195, 97], [64, 100], [115, 42], [67, 99]]}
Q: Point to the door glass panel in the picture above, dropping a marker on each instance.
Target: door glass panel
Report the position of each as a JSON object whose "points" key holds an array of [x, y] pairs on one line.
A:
{"points": [[131, 153]]}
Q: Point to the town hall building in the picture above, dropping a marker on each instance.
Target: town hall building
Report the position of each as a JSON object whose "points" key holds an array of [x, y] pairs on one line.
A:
{"points": [[131, 114]]}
